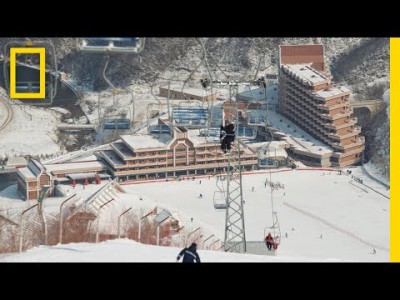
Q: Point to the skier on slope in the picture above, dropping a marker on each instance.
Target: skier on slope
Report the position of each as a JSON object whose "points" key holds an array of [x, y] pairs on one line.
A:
{"points": [[189, 254]]}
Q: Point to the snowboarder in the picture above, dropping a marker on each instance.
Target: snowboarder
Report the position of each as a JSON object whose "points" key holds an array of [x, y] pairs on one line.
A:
{"points": [[374, 251], [189, 254], [227, 136], [286, 235], [269, 240], [200, 181], [201, 196]]}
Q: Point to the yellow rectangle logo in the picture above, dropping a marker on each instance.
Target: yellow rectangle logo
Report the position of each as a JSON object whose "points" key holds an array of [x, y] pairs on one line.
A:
{"points": [[13, 68], [394, 146]]}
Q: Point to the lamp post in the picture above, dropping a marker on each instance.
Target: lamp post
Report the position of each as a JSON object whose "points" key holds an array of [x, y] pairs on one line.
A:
{"points": [[21, 233], [119, 221], [140, 223], [41, 197], [190, 233], [213, 244], [98, 219], [61, 219], [207, 239]]}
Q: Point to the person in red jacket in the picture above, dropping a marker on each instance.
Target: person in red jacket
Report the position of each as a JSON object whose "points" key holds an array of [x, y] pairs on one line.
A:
{"points": [[269, 241]]}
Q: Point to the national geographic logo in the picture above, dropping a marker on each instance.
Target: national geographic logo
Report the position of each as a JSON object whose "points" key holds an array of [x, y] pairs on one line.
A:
{"points": [[13, 74]]}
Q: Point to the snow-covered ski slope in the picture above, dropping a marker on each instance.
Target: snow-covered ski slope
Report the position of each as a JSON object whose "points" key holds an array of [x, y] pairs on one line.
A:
{"points": [[124, 250], [352, 219], [326, 216]]}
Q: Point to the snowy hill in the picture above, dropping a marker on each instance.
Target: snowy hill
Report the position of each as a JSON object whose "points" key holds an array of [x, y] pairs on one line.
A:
{"points": [[323, 216], [124, 250]]}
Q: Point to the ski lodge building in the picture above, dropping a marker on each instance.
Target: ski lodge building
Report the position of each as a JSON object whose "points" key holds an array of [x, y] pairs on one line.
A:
{"points": [[309, 98], [170, 153]]}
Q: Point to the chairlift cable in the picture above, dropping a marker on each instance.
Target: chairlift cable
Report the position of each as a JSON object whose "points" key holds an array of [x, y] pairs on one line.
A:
{"points": [[104, 73]]}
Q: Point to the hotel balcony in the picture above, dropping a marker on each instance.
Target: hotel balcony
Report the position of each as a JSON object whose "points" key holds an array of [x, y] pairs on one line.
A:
{"points": [[181, 168], [359, 141]]}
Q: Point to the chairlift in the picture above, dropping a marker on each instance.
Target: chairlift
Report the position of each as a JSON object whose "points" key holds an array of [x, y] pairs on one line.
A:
{"points": [[191, 115], [116, 124], [268, 163], [219, 197], [219, 200], [111, 45], [109, 116], [25, 86], [276, 231], [246, 132], [159, 128], [256, 118]]}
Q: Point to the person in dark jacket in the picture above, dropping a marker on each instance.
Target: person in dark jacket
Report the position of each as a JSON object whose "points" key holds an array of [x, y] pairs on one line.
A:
{"points": [[227, 136], [269, 241], [189, 254]]}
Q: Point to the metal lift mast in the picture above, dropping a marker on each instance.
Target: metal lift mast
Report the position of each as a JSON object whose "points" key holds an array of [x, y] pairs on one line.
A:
{"points": [[235, 234]]}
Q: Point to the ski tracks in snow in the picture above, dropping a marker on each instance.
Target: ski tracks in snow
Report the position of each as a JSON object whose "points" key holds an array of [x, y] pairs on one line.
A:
{"points": [[333, 226]]}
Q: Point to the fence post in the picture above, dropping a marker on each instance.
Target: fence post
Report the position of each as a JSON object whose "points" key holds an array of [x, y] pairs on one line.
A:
{"points": [[98, 219], [61, 219], [21, 233], [190, 233], [119, 221]]}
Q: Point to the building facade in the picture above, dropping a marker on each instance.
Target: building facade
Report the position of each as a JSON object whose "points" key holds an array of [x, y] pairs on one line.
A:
{"points": [[34, 176], [311, 100], [179, 153]]}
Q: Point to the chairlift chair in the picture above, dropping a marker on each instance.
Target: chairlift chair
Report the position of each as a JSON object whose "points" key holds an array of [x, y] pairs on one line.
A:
{"points": [[51, 76], [255, 118], [219, 200], [276, 230], [159, 128], [219, 197], [113, 120], [190, 115], [246, 132], [111, 45]]}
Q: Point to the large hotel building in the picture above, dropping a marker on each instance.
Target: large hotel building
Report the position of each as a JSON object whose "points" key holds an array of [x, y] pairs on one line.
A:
{"points": [[310, 99]]}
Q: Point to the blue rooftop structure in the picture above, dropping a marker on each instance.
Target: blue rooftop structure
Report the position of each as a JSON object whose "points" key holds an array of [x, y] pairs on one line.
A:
{"points": [[116, 124], [190, 117], [160, 128]]}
